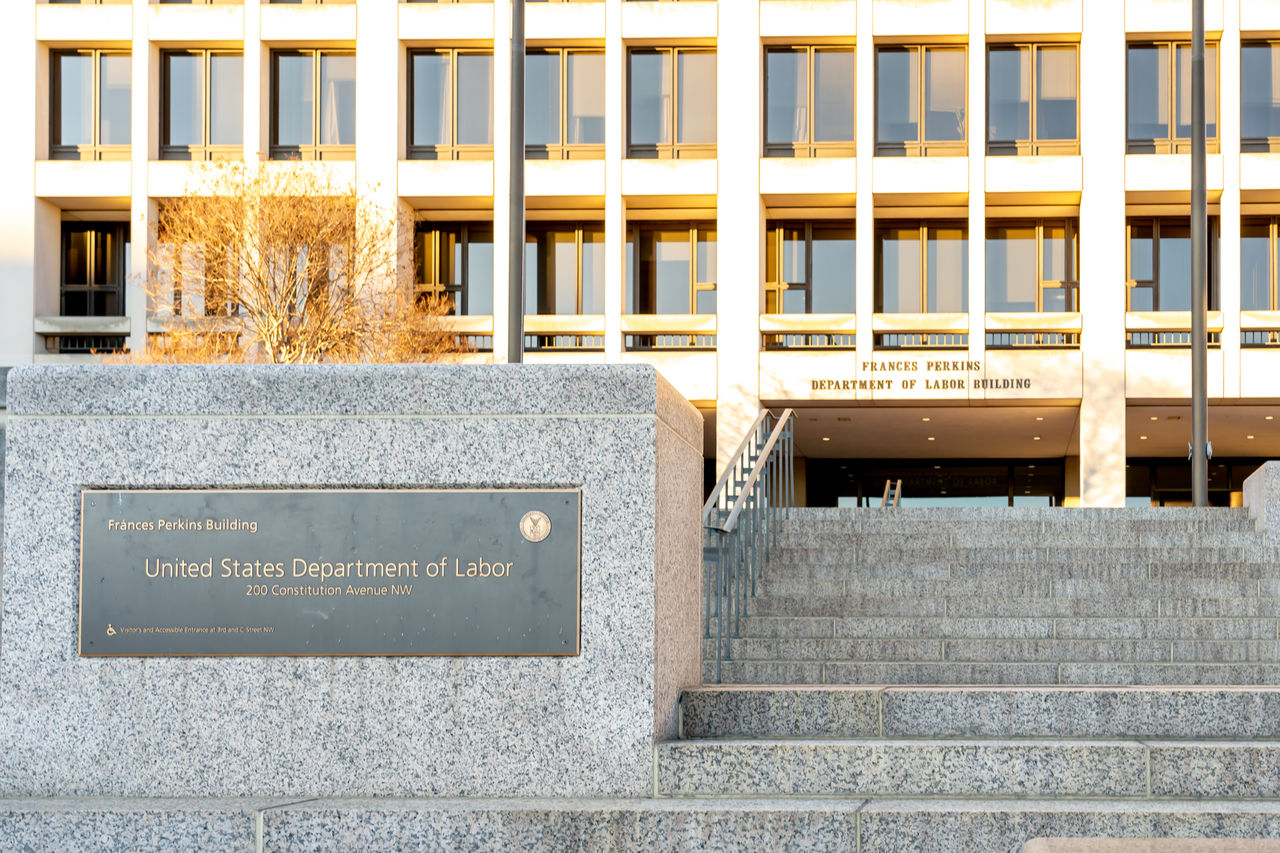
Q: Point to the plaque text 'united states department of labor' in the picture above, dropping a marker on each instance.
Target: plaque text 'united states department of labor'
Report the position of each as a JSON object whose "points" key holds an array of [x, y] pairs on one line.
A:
{"points": [[315, 572]]}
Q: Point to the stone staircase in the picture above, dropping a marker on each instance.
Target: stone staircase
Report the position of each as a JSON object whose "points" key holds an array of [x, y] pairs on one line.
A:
{"points": [[1013, 596]]}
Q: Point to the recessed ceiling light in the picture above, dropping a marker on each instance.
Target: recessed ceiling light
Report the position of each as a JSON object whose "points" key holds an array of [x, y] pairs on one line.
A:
{"points": [[944, 491], [1039, 419], [1027, 492], [1035, 438], [936, 467], [931, 438], [1248, 436], [1269, 418], [926, 420], [826, 438], [1031, 466], [1155, 417], [1142, 437]]}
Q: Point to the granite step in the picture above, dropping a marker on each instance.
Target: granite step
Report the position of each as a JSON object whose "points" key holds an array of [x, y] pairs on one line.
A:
{"points": [[850, 711], [776, 672]]}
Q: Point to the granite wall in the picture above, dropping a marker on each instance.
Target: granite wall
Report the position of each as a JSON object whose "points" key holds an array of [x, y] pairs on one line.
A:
{"points": [[353, 727]]}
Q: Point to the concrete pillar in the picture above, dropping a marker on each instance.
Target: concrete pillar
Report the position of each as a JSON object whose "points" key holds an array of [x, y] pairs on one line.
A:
{"points": [[1102, 240], [18, 205], [615, 207], [740, 224], [1228, 254], [865, 133], [379, 107], [502, 247], [977, 111], [145, 146]]}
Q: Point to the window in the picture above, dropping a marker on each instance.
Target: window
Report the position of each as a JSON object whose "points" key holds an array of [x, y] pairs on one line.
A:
{"points": [[94, 268], [1031, 266], [671, 103], [451, 105], [455, 260], [920, 114], [922, 268], [1258, 264], [202, 97], [564, 104], [1160, 97], [808, 101], [564, 269], [1160, 264], [809, 268], [677, 269], [1020, 123], [313, 105], [1260, 97], [90, 106]]}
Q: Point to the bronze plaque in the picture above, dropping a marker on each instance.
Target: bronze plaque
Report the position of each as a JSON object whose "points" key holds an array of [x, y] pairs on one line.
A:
{"points": [[330, 572]]}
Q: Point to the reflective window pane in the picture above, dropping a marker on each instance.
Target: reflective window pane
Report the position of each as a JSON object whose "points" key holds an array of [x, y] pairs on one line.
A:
{"points": [[1148, 92], [833, 88], [74, 100], [944, 94], [293, 102], [1175, 267], [542, 99], [787, 96], [831, 290], [1009, 93], [184, 107], [947, 285], [899, 274], [1011, 268], [113, 101], [794, 257], [696, 109], [226, 99], [432, 104], [1210, 90], [1260, 91], [1255, 266], [475, 99], [665, 272], [897, 88], [337, 99], [1056, 92], [593, 266], [480, 271], [1141, 251], [1056, 254], [649, 83], [585, 96], [706, 256], [75, 257]]}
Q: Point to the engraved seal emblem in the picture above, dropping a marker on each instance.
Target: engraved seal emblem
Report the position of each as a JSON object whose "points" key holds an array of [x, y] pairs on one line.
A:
{"points": [[535, 526]]}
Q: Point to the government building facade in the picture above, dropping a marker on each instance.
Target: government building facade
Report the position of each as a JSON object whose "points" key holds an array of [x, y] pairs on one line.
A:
{"points": [[953, 235]]}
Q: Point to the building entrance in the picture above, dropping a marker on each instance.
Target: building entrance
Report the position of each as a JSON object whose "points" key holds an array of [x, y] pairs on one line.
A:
{"points": [[937, 482]]}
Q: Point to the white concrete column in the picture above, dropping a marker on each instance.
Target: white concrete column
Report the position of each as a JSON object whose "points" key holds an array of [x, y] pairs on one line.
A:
{"points": [[502, 247], [256, 80], [865, 134], [1229, 204], [379, 81], [1102, 241], [615, 207], [18, 279], [740, 224], [977, 110], [144, 146]]}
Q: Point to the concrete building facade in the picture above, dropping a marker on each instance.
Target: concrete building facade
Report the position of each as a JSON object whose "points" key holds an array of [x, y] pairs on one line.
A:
{"points": [[949, 233]]}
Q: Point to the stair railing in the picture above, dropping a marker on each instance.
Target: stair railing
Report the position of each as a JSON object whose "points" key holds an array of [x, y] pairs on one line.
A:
{"points": [[741, 519]]}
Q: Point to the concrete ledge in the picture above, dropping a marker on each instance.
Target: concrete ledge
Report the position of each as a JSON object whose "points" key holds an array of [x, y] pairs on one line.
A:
{"points": [[1151, 845]]}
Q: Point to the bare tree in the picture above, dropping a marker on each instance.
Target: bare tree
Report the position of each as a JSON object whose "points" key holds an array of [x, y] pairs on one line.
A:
{"points": [[281, 263]]}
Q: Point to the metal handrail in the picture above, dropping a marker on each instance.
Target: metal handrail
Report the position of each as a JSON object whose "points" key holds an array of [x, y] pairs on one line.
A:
{"points": [[741, 520]]}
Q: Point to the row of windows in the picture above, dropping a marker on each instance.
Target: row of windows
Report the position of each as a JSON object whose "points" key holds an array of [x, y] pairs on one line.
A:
{"points": [[921, 94], [920, 267]]}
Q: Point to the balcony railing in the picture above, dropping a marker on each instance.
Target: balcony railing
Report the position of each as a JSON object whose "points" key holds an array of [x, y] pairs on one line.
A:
{"points": [[1167, 329], [790, 332], [564, 333], [659, 332], [1025, 330], [920, 331]]}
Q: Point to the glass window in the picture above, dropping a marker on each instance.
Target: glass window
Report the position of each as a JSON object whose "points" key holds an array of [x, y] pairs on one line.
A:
{"points": [[922, 268], [677, 269], [564, 104], [455, 260], [1159, 274], [94, 258], [1013, 73], [564, 269], [313, 105], [1159, 97], [908, 100], [202, 105], [1260, 97], [808, 101], [90, 105], [1031, 266], [809, 268], [1257, 265], [671, 103], [450, 105]]}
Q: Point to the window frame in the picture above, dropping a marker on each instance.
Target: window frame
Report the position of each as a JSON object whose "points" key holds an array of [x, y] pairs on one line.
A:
{"points": [[695, 228], [1256, 144], [460, 293], [316, 150], [811, 148], [1172, 144], [205, 150], [1273, 264], [120, 265], [564, 150], [95, 150], [454, 150], [577, 227], [1071, 284], [672, 150], [776, 286], [1033, 146], [1154, 282], [922, 147], [922, 227]]}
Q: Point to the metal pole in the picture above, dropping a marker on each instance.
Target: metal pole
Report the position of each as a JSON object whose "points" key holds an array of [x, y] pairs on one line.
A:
{"points": [[515, 283], [1199, 267]]}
